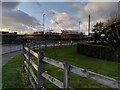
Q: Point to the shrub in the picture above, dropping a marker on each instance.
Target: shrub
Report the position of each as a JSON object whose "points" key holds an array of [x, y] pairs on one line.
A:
{"points": [[97, 51]]}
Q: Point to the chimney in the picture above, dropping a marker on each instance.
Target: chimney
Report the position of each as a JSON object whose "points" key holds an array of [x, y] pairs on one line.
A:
{"points": [[89, 26]]}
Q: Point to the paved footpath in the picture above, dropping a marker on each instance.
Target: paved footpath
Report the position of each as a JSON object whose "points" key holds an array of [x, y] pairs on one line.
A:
{"points": [[9, 48], [6, 57], [9, 51]]}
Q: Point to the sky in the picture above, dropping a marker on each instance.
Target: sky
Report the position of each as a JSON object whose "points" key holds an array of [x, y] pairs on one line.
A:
{"points": [[27, 17]]}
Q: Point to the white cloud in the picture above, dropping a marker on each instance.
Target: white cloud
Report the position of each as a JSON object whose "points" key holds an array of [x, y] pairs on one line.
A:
{"points": [[99, 11], [61, 0], [104, 1], [63, 21], [76, 5]]}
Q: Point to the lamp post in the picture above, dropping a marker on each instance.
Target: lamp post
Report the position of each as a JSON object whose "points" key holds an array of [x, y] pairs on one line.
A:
{"points": [[43, 22], [44, 31]]}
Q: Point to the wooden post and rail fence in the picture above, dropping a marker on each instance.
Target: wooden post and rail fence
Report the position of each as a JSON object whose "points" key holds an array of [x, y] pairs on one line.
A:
{"points": [[37, 80]]}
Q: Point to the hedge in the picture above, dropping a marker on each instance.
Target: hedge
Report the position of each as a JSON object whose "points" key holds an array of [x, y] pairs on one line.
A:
{"points": [[97, 51]]}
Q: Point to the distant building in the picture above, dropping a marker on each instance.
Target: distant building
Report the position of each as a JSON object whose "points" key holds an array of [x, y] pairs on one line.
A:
{"points": [[52, 33], [38, 33], [8, 33], [54, 36], [67, 34], [8, 38]]}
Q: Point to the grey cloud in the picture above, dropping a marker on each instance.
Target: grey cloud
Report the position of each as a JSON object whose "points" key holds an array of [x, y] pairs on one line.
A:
{"points": [[98, 10], [76, 5], [9, 5], [19, 21], [38, 4], [19, 17]]}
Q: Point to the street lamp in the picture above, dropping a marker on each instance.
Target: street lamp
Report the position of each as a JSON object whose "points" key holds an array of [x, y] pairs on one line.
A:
{"points": [[43, 23], [44, 32]]}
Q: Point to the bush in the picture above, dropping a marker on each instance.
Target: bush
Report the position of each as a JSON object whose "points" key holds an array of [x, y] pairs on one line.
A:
{"points": [[97, 51]]}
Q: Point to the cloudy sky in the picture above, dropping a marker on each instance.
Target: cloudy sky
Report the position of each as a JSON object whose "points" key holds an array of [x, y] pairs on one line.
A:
{"points": [[27, 17]]}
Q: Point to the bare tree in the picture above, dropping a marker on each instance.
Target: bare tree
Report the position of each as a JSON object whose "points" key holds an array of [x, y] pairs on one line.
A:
{"points": [[113, 18]]}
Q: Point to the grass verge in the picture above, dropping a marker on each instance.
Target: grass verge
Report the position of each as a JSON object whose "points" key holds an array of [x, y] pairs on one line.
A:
{"points": [[69, 53], [12, 76]]}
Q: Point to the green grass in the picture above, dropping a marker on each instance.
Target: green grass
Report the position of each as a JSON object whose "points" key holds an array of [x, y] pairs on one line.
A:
{"points": [[12, 76], [69, 53], [0, 76]]}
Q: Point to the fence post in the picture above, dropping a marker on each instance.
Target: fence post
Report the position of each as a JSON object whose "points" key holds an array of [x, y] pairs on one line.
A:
{"points": [[23, 66], [66, 74], [28, 61], [41, 68]]}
